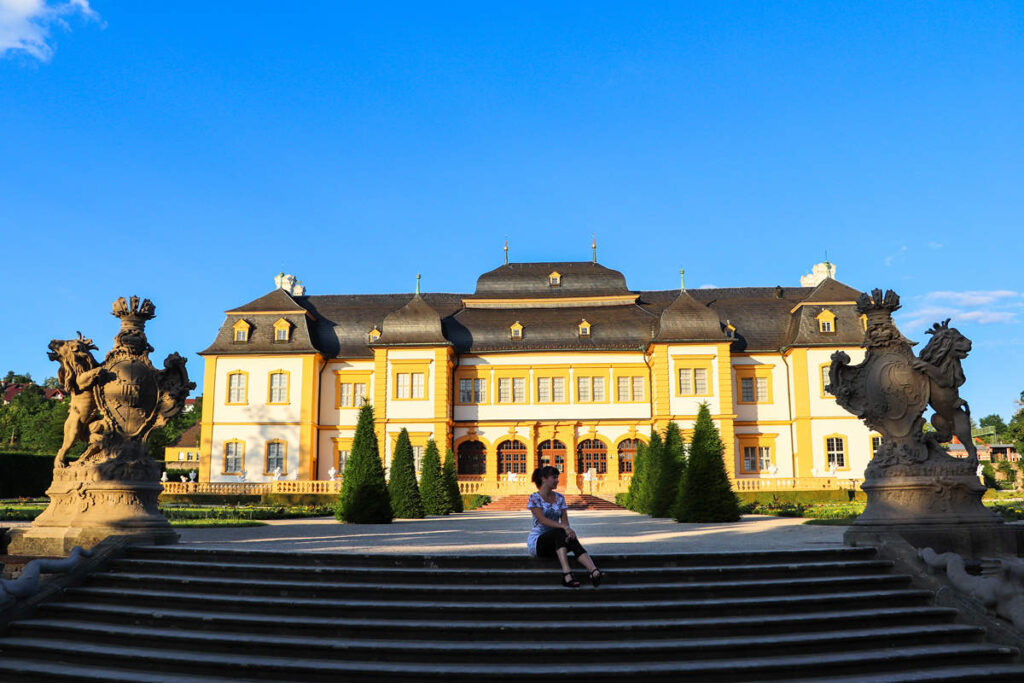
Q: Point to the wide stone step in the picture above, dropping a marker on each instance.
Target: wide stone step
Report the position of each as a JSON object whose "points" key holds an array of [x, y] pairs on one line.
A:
{"points": [[533, 575], [783, 667], [950, 674], [443, 608], [491, 562], [556, 626], [22, 670], [424, 651], [495, 592]]}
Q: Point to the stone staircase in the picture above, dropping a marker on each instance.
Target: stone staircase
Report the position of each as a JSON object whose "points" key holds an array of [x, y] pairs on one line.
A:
{"points": [[573, 501], [182, 614]]}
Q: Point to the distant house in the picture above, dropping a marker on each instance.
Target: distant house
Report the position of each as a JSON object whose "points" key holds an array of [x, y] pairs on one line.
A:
{"points": [[957, 450], [12, 390], [184, 453], [1004, 452]]}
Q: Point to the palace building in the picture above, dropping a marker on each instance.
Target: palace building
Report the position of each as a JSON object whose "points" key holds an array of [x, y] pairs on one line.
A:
{"points": [[544, 363]]}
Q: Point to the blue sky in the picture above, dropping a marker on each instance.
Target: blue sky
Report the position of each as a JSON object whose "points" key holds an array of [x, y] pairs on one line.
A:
{"points": [[189, 153]]}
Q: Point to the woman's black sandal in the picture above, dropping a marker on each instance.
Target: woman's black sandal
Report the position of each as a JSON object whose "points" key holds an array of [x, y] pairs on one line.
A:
{"points": [[595, 577], [571, 582]]}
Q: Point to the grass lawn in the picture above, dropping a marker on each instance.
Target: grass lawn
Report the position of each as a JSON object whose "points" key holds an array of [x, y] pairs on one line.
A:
{"points": [[213, 523]]}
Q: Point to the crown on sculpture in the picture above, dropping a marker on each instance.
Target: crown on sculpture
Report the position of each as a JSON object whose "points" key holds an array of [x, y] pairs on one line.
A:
{"points": [[878, 307], [132, 313]]}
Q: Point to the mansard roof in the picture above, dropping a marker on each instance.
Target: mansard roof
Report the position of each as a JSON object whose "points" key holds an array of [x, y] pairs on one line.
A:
{"points": [[338, 326], [530, 280]]}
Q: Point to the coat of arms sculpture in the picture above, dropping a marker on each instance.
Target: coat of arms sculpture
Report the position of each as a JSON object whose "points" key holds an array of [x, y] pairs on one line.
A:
{"points": [[112, 488], [914, 487]]}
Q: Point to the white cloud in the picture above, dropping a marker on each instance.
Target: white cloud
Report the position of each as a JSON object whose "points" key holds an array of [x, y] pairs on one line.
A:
{"points": [[25, 24], [999, 306], [935, 245], [899, 255]]}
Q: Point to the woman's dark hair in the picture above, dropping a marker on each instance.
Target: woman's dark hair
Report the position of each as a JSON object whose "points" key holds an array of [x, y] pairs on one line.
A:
{"points": [[543, 471]]}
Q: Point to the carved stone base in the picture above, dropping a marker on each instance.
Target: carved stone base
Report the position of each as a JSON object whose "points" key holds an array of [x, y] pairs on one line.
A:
{"points": [[936, 505], [84, 509]]}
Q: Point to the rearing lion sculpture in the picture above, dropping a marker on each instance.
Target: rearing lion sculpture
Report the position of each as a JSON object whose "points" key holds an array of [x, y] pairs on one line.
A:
{"points": [[78, 372], [940, 361]]}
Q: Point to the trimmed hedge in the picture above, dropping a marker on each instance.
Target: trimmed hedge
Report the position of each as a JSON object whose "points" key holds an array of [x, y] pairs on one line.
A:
{"points": [[25, 475], [800, 497], [471, 501]]}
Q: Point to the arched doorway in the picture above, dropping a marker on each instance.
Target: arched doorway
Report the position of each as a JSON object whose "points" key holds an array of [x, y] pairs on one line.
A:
{"points": [[551, 452], [627, 452], [511, 457], [472, 458], [592, 454]]}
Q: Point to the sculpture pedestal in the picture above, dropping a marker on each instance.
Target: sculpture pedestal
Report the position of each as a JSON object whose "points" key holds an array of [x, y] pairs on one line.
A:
{"points": [[86, 508], [934, 506]]}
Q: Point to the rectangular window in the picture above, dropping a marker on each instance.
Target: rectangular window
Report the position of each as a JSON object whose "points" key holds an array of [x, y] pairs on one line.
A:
{"points": [[278, 387], [504, 390], [836, 451], [519, 390], [757, 458], [402, 386], [558, 389], [351, 395], [747, 389], [240, 335], [466, 391], [479, 390], [700, 381], [236, 388], [281, 334], [686, 381], [543, 390], [275, 456], [622, 392], [825, 381], [417, 458], [583, 389], [417, 385], [762, 388], [233, 456], [638, 388], [876, 441], [598, 389], [342, 460]]}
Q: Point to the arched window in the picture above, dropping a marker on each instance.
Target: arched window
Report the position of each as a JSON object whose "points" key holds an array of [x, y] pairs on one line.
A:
{"points": [[472, 458], [511, 457], [627, 451], [592, 454], [552, 452]]}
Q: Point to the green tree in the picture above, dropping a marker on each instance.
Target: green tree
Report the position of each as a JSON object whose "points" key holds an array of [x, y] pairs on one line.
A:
{"points": [[646, 474], [451, 482], [51, 383], [364, 495], [634, 496], [706, 495], [672, 463], [405, 493], [988, 475], [13, 378], [432, 488]]}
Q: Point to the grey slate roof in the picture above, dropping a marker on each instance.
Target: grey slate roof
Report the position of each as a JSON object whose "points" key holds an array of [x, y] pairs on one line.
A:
{"points": [[338, 326], [530, 280]]}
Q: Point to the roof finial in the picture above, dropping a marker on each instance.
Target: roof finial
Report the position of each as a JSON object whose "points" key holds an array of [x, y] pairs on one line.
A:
{"points": [[828, 266], [417, 283], [593, 245], [506, 250], [682, 279]]}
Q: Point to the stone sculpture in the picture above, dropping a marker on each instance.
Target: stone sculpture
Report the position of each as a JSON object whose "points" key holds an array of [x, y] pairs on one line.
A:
{"points": [[914, 488], [112, 488], [1001, 592]]}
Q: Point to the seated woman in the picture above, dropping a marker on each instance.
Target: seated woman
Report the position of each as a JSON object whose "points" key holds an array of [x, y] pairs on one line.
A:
{"points": [[551, 535]]}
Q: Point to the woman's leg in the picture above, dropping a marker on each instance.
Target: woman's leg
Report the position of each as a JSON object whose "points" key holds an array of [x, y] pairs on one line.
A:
{"points": [[554, 543]]}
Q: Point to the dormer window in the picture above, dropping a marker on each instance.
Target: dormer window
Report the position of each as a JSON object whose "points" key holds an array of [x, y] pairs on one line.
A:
{"points": [[516, 330], [374, 335], [282, 330], [241, 331], [584, 328], [827, 322], [555, 279]]}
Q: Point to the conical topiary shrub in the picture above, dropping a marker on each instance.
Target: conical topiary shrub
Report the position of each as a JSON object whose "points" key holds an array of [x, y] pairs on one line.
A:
{"points": [[364, 495], [665, 488], [649, 476], [634, 497], [451, 482], [432, 490], [706, 495], [402, 487]]}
